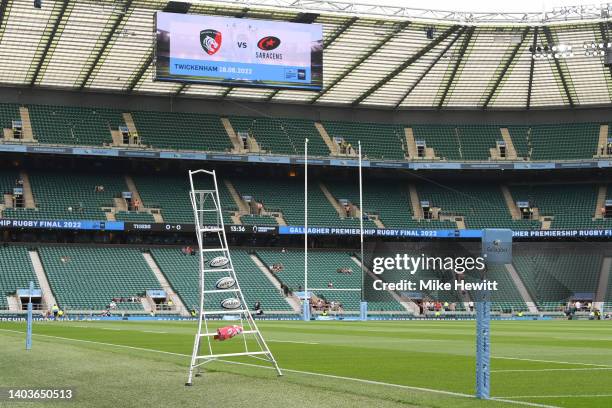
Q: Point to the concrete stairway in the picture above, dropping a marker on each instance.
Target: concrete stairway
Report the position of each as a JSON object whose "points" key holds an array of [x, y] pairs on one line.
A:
{"points": [[129, 182], [14, 305], [602, 286], [129, 122], [518, 282], [407, 304], [512, 207], [333, 147], [510, 150], [602, 142], [332, 200], [601, 201], [120, 204], [411, 146], [27, 190], [47, 295], [415, 202], [165, 285], [238, 147], [26, 124], [292, 300]]}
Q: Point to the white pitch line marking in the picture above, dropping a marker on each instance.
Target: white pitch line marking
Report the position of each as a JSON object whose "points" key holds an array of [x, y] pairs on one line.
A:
{"points": [[407, 387], [560, 396], [551, 361], [552, 369], [289, 341]]}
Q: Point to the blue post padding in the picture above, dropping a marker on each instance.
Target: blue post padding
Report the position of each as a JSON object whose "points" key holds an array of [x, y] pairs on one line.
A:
{"points": [[29, 324], [363, 311], [306, 309], [483, 345]]}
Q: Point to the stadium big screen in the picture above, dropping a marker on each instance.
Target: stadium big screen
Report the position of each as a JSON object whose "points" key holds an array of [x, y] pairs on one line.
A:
{"points": [[232, 51]]}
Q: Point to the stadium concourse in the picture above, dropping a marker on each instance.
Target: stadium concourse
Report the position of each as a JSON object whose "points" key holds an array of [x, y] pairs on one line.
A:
{"points": [[394, 128]]}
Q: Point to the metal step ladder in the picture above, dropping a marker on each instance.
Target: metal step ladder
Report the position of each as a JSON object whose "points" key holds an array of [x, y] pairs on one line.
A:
{"points": [[209, 224]]}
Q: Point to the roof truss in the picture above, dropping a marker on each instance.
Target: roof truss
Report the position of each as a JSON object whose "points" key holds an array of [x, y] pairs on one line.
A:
{"points": [[466, 42]]}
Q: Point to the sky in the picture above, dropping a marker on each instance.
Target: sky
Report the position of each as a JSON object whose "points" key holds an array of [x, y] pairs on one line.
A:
{"points": [[484, 5]]}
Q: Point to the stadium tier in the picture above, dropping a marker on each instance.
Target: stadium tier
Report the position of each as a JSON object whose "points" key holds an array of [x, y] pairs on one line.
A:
{"points": [[72, 125], [570, 205], [16, 272], [332, 276], [171, 195], [182, 131], [70, 196], [281, 135], [558, 274], [388, 201], [287, 197], [480, 205], [181, 271], [378, 140], [88, 278]]}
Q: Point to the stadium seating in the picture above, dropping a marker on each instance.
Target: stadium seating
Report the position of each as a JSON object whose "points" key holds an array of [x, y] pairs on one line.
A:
{"points": [[481, 205], [572, 205], [71, 125], [70, 196], [553, 275], [282, 135], [88, 278], [378, 140], [567, 141], [258, 220], [476, 140], [134, 216], [171, 195], [182, 131], [181, 271], [16, 272], [8, 113], [520, 136], [288, 198], [390, 201], [442, 138], [8, 180], [323, 268], [507, 298]]}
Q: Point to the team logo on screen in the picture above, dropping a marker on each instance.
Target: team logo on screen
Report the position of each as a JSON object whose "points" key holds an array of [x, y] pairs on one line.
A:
{"points": [[268, 43], [210, 40]]}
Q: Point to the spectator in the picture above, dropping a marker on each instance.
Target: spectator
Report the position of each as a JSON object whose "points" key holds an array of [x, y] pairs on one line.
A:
{"points": [[330, 285], [257, 308]]}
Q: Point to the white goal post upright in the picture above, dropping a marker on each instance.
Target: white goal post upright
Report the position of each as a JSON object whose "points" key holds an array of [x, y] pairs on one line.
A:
{"points": [[306, 302], [363, 304], [207, 202]]}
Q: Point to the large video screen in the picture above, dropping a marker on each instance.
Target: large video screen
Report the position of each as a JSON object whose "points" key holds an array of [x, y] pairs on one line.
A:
{"points": [[236, 51]]}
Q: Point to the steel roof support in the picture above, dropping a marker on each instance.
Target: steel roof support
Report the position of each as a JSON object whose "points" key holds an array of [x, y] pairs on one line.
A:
{"points": [[406, 64], [430, 67], [564, 82], [466, 41], [506, 67], [52, 34], [105, 42], [400, 27]]}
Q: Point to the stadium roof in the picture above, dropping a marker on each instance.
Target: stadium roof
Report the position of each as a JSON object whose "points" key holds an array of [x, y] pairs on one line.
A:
{"points": [[375, 56]]}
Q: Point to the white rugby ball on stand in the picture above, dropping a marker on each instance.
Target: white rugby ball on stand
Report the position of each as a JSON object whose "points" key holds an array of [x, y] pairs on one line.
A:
{"points": [[219, 261]]}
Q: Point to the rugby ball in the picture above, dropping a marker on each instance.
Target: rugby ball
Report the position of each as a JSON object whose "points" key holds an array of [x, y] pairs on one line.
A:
{"points": [[225, 283], [219, 261], [230, 303]]}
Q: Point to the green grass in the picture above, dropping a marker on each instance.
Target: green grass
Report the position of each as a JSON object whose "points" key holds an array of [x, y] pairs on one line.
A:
{"points": [[554, 363]]}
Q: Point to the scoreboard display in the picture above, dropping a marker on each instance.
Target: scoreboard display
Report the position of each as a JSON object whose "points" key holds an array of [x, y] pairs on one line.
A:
{"points": [[238, 51]]}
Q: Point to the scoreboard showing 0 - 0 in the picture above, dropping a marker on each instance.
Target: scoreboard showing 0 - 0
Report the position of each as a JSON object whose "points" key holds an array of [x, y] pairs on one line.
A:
{"points": [[238, 51]]}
